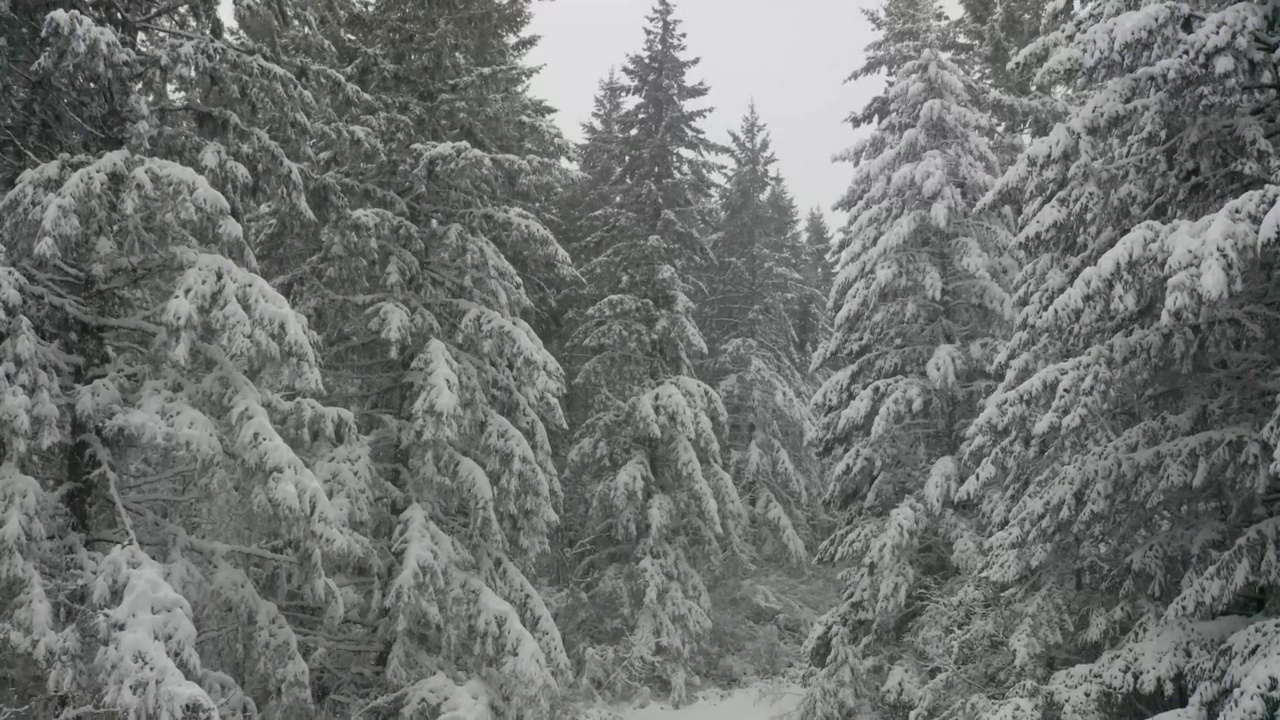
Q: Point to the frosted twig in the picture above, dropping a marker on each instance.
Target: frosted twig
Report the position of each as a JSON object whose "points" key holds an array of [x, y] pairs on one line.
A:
{"points": [[104, 458], [211, 547], [21, 147]]}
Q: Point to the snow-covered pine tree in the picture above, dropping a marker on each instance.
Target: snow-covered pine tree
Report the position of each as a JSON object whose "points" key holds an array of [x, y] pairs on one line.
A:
{"points": [[422, 287], [917, 298], [1127, 462], [752, 287], [998, 30], [587, 209], [600, 158], [812, 320], [993, 33], [165, 475], [811, 279], [662, 503]]}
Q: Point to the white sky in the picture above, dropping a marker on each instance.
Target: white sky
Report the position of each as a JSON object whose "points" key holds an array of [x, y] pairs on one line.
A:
{"points": [[792, 56]]}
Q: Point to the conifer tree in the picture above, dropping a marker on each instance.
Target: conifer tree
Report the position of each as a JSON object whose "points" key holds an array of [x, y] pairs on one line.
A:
{"points": [[663, 505], [165, 467], [423, 286], [1126, 462], [587, 210], [917, 296], [993, 34], [600, 157], [168, 465], [816, 271], [751, 288], [997, 30]]}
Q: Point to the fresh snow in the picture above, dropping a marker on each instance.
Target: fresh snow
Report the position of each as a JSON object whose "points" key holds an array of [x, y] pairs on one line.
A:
{"points": [[749, 703]]}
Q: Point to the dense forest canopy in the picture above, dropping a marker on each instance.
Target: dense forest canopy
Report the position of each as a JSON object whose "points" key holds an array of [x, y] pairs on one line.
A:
{"points": [[336, 382]]}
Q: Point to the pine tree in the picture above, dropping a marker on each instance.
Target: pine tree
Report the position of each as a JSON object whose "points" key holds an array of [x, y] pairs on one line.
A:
{"points": [[600, 157], [998, 30], [165, 467], [816, 271], [168, 465], [587, 210], [918, 295], [752, 286], [662, 503], [423, 286], [994, 34], [1126, 462]]}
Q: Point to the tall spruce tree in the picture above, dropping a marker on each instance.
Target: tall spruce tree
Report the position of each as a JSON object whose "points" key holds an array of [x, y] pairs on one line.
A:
{"points": [[663, 505], [752, 288], [997, 31], [917, 296], [423, 287], [817, 273], [165, 467], [600, 158], [587, 210], [1126, 463], [168, 465]]}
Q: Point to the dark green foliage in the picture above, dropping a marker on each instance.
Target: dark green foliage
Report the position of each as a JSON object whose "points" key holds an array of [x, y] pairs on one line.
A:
{"points": [[753, 288], [816, 269], [661, 507]]}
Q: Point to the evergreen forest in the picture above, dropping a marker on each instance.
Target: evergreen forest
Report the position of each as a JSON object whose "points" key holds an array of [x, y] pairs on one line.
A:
{"points": [[337, 381]]}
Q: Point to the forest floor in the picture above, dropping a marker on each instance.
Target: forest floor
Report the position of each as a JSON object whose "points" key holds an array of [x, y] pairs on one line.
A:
{"points": [[753, 665], [765, 701]]}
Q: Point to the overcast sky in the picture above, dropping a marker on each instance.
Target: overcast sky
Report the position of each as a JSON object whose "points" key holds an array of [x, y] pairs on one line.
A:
{"points": [[792, 56]]}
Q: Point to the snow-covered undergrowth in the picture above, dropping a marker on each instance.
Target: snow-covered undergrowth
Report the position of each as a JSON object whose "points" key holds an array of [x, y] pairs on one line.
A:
{"points": [[759, 625], [764, 701]]}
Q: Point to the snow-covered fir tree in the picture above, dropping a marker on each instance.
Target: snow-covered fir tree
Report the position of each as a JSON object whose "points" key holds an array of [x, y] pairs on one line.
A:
{"points": [[169, 470], [586, 211], [170, 488], [663, 504], [997, 31], [752, 288], [600, 157], [917, 300], [817, 272], [1127, 462], [422, 285], [992, 33]]}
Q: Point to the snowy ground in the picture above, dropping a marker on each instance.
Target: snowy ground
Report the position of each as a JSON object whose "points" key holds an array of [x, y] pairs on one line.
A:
{"points": [[753, 703]]}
